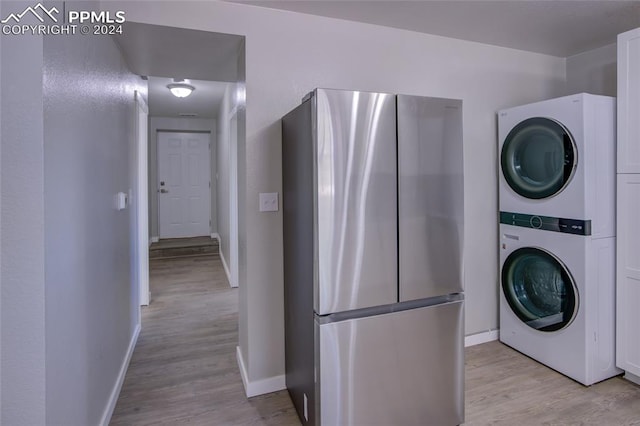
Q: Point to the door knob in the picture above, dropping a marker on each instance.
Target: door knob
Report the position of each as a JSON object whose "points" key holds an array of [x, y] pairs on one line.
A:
{"points": [[163, 191]]}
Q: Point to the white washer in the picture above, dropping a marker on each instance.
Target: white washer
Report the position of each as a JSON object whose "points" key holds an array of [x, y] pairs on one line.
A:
{"points": [[557, 159], [557, 300]]}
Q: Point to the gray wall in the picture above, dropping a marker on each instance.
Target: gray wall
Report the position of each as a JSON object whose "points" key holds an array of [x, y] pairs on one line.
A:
{"points": [[186, 124], [593, 71], [22, 271], [91, 304], [67, 305]]}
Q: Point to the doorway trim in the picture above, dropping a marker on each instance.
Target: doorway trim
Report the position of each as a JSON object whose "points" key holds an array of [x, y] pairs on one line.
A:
{"points": [[233, 198], [142, 199]]}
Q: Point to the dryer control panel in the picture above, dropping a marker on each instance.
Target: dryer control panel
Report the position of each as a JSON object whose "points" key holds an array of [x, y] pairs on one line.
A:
{"points": [[546, 223]]}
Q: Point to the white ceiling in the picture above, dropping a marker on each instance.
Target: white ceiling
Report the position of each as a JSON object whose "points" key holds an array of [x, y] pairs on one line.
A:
{"points": [[554, 27], [204, 101], [162, 53], [178, 52]]}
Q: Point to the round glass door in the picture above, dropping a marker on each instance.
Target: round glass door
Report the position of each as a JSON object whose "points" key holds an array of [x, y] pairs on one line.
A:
{"points": [[539, 289], [538, 158]]}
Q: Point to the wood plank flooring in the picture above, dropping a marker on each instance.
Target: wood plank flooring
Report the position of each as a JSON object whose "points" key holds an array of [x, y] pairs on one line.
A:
{"points": [[504, 387], [184, 369]]}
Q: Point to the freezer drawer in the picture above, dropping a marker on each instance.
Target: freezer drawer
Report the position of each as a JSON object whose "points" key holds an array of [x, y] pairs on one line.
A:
{"points": [[430, 196], [403, 368]]}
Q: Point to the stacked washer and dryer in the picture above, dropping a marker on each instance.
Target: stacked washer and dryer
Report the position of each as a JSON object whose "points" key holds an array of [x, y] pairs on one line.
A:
{"points": [[557, 234]]}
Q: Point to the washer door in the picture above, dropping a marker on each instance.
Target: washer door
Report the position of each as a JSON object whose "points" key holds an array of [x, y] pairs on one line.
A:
{"points": [[538, 158], [539, 289]]}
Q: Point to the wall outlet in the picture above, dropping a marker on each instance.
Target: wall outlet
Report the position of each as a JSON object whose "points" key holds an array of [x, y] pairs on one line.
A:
{"points": [[268, 201]]}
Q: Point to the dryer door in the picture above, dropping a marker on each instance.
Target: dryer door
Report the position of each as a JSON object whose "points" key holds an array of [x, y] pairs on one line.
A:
{"points": [[539, 289], [538, 158]]}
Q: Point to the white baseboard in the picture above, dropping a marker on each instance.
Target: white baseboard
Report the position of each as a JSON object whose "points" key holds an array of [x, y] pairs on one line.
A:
{"points": [[215, 236], [115, 392], [155, 239], [226, 269], [632, 377], [478, 338], [243, 370], [258, 387]]}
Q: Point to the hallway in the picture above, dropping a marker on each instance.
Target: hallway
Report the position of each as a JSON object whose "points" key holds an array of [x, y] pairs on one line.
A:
{"points": [[184, 368]]}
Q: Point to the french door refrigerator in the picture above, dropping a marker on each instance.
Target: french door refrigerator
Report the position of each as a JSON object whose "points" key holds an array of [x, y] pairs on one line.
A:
{"points": [[373, 237]]}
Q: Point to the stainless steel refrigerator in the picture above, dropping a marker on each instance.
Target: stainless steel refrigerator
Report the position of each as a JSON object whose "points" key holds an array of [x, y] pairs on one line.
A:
{"points": [[373, 237]]}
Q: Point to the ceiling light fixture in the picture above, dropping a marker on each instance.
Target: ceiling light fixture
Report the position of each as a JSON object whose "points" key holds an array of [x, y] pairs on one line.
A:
{"points": [[180, 90]]}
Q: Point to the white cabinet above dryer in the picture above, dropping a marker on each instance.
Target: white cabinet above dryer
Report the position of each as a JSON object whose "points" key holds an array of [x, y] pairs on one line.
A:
{"points": [[629, 102]]}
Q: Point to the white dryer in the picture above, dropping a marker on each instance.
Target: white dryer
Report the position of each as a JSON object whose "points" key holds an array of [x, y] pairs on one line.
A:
{"points": [[557, 300], [557, 159]]}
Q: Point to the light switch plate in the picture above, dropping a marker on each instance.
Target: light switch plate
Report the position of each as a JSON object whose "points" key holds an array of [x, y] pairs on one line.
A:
{"points": [[268, 201], [120, 201]]}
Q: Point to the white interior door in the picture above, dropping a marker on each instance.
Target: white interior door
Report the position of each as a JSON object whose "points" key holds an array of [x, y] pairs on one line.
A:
{"points": [[184, 188]]}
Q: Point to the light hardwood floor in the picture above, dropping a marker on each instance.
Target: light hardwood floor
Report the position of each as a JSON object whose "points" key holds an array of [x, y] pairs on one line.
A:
{"points": [[504, 387], [184, 369]]}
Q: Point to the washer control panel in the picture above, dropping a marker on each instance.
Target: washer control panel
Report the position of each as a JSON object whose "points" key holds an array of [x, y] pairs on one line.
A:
{"points": [[546, 223]]}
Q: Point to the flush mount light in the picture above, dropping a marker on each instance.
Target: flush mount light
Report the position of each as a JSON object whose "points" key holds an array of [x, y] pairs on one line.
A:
{"points": [[180, 90]]}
